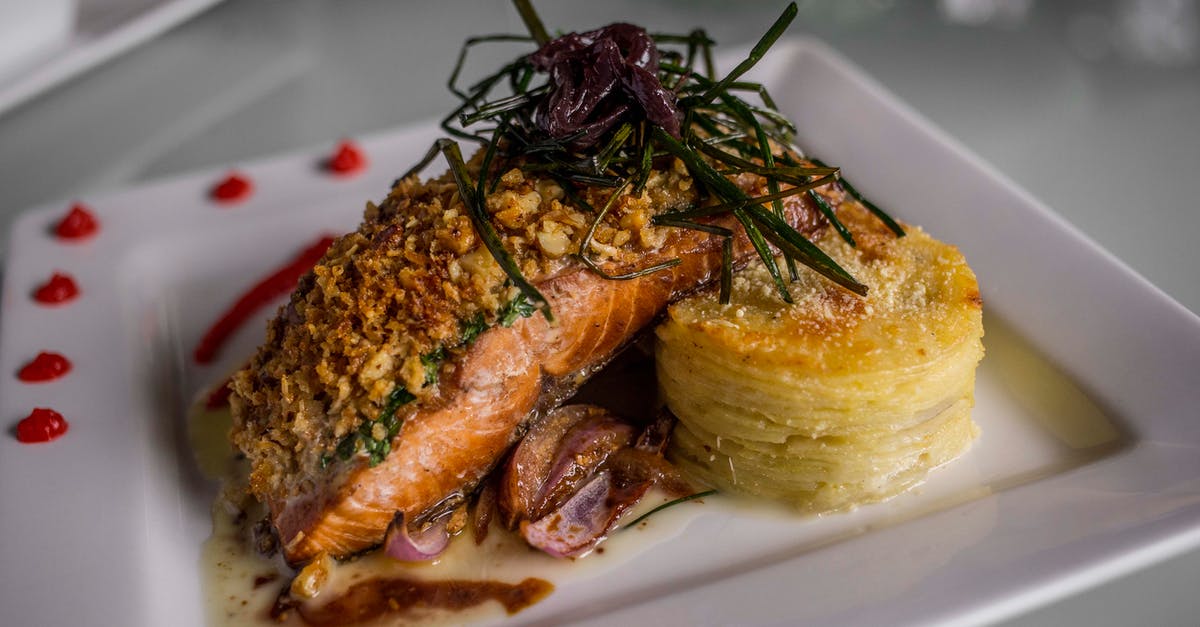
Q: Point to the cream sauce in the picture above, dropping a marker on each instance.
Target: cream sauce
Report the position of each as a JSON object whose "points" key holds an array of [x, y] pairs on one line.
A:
{"points": [[241, 586]]}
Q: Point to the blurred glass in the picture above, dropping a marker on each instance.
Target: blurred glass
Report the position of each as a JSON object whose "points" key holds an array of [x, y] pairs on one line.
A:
{"points": [[1150, 32]]}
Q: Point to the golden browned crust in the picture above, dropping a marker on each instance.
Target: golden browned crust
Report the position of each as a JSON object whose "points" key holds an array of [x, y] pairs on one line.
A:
{"points": [[401, 287], [833, 400]]}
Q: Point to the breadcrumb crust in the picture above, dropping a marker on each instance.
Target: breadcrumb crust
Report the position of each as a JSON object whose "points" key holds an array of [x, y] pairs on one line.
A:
{"points": [[400, 288]]}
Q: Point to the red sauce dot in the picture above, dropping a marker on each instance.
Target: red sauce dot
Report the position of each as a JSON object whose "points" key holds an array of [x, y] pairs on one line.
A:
{"points": [[79, 223], [45, 367], [347, 159], [41, 425], [232, 188], [59, 289]]}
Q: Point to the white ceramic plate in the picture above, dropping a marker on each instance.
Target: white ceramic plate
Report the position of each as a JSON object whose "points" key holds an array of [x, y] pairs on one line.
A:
{"points": [[1088, 466], [101, 30]]}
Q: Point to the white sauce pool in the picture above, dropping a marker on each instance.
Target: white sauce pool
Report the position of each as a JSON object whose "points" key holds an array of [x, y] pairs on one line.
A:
{"points": [[241, 586]]}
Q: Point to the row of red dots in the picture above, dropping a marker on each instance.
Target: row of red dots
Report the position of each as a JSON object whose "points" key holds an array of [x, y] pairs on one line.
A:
{"points": [[44, 424], [346, 160]]}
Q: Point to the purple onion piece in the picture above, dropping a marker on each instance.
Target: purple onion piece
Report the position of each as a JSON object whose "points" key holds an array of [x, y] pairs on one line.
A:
{"points": [[531, 461], [599, 76], [585, 519], [582, 450], [403, 544]]}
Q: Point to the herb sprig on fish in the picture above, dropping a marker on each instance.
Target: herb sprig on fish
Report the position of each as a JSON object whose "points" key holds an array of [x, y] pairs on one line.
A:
{"points": [[600, 108]]}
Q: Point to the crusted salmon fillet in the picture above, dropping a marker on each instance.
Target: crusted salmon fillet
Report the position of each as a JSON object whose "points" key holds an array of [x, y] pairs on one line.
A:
{"points": [[405, 365]]}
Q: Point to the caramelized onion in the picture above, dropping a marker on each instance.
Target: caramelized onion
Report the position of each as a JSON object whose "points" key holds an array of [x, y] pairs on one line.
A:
{"points": [[428, 543], [575, 473], [597, 78], [584, 520], [585, 446], [531, 461]]}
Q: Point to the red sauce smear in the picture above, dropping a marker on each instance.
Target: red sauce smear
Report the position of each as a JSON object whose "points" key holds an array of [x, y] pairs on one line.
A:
{"points": [[347, 159], [41, 425], [233, 188], [79, 223], [45, 367], [279, 283], [59, 289], [371, 599]]}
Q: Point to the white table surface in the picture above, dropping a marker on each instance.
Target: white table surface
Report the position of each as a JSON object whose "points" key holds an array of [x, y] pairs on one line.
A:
{"points": [[1094, 107]]}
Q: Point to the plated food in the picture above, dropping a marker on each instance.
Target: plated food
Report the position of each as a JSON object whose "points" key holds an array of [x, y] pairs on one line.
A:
{"points": [[416, 379], [835, 400]]}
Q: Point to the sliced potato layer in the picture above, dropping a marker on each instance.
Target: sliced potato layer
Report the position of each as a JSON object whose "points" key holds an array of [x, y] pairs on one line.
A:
{"points": [[834, 400]]}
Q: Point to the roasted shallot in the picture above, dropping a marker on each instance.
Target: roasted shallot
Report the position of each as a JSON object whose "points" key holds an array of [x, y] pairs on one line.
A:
{"points": [[426, 544], [577, 471]]}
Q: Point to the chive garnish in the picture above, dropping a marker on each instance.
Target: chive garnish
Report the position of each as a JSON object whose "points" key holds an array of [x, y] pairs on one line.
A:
{"points": [[532, 21], [483, 226], [586, 243], [684, 111], [682, 499], [879, 213], [756, 53]]}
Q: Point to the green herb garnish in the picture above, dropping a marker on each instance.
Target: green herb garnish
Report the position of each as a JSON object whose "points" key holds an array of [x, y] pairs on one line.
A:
{"points": [[377, 445], [472, 327], [377, 448], [432, 361], [660, 101], [682, 499], [518, 307]]}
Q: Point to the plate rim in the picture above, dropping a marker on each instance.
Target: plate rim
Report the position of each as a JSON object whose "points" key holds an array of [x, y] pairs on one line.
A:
{"points": [[1124, 552]]}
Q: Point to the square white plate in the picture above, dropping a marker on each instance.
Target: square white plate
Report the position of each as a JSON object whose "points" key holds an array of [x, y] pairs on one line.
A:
{"points": [[1089, 465]]}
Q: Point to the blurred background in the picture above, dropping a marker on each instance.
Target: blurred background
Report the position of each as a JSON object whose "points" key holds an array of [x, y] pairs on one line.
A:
{"points": [[1093, 107]]}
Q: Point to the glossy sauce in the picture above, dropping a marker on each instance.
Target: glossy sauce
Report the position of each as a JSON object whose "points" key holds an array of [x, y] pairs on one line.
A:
{"points": [[241, 586], [401, 596], [45, 367], [41, 425], [347, 159], [60, 288], [233, 188], [465, 584], [79, 223]]}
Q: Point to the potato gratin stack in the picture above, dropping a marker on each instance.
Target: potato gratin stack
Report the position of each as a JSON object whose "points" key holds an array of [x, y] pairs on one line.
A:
{"points": [[836, 400]]}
